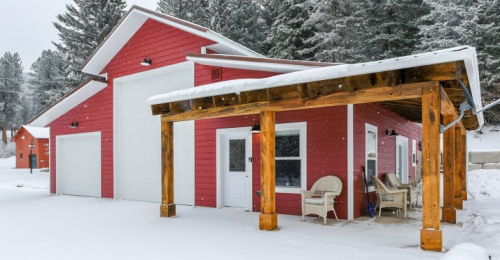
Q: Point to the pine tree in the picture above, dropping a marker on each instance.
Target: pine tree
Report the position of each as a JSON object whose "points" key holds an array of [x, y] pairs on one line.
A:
{"points": [[392, 28], [337, 27], [218, 12], [487, 39], [247, 25], [11, 78], [444, 27], [48, 79], [190, 10], [287, 34], [82, 28]]}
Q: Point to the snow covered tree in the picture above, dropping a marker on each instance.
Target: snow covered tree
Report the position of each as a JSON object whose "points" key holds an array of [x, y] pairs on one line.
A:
{"points": [[287, 34], [190, 10], [336, 25], [48, 79], [82, 28], [11, 79], [392, 28], [487, 39], [246, 25], [444, 26], [218, 12]]}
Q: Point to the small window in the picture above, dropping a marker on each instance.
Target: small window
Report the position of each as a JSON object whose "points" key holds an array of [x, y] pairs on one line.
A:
{"points": [[237, 155], [290, 157], [21, 156], [414, 152], [371, 146]]}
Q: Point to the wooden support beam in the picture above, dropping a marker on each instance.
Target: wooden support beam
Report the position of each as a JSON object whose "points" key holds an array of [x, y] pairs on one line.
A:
{"points": [[447, 107], [407, 91], [458, 201], [449, 214], [268, 219], [464, 165], [167, 207], [431, 237]]}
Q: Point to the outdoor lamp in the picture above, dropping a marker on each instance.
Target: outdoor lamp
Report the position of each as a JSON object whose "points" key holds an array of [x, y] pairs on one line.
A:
{"points": [[146, 62], [255, 128], [74, 124], [391, 133]]}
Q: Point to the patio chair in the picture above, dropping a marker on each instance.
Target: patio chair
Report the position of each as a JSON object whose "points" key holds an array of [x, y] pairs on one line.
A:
{"points": [[321, 198], [397, 184], [387, 198]]}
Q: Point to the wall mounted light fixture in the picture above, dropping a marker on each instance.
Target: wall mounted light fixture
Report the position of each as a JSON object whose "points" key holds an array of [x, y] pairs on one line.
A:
{"points": [[255, 128], [146, 62], [391, 133], [74, 124]]}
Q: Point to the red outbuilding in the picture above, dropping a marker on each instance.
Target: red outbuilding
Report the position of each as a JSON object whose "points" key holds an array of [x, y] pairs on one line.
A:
{"points": [[32, 143]]}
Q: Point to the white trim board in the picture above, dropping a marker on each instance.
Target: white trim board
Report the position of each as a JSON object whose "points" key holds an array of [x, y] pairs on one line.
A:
{"points": [[350, 162]]}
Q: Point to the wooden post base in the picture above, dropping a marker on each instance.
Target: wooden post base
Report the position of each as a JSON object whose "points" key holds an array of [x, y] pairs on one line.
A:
{"points": [[449, 215], [431, 240], [167, 211], [458, 202], [268, 222], [464, 195]]}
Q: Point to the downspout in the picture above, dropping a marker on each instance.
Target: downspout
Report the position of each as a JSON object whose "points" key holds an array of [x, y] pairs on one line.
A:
{"points": [[466, 105]]}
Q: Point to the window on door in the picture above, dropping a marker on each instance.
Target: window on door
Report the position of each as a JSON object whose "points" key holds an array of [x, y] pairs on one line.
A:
{"points": [[371, 135], [291, 157], [237, 155]]}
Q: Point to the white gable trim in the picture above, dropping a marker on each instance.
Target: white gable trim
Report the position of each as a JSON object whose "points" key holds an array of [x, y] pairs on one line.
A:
{"points": [[135, 18]]}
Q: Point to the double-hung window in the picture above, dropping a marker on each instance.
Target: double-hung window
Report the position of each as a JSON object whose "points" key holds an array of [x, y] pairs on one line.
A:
{"points": [[291, 157], [371, 135]]}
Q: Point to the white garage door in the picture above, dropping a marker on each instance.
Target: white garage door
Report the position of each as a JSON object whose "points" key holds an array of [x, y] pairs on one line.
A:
{"points": [[138, 143], [79, 164]]}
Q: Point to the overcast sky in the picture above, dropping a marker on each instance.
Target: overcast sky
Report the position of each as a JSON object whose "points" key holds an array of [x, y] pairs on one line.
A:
{"points": [[26, 25]]}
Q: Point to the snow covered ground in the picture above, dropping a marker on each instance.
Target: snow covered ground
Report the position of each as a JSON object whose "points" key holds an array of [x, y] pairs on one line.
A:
{"points": [[36, 225]]}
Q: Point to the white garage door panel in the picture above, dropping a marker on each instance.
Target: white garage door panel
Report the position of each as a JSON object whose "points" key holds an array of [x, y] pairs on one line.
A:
{"points": [[79, 164], [139, 140]]}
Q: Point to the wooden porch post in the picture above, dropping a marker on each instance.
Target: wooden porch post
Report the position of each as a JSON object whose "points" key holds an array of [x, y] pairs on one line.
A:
{"points": [[268, 219], [458, 168], [464, 165], [449, 214], [431, 237], [167, 207]]}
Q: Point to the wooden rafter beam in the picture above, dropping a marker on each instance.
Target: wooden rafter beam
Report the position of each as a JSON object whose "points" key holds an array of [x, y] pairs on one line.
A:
{"points": [[447, 107], [405, 91]]}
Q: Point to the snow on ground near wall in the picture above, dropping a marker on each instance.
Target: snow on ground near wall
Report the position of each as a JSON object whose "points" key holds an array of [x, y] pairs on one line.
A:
{"points": [[8, 163], [466, 251], [489, 140]]}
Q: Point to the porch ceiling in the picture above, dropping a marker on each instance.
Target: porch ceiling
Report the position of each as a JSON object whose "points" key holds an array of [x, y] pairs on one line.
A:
{"points": [[399, 90]]}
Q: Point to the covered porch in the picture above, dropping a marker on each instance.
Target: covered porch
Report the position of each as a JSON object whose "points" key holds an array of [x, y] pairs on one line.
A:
{"points": [[423, 88]]}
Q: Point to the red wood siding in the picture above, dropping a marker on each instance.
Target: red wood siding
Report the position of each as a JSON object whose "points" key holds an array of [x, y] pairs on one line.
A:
{"points": [[326, 154], [22, 147], [382, 118]]}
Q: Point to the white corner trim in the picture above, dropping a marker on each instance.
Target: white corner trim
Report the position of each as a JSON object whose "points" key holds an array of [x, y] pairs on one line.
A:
{"points": [[350, 162]]}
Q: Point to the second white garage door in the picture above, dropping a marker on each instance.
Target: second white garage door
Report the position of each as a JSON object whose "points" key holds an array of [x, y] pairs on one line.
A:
{"points": [[138, 136], [79, 164]]}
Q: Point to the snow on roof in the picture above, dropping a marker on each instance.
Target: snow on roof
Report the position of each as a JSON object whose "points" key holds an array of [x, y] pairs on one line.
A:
{"points": [[255, 63], [68, 102], [38, 132], [465, 53], [133, 21]]}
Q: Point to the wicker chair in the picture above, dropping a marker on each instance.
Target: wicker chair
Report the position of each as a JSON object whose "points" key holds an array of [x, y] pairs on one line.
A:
{"points": [[387, 198], [320, 199], [397, 184]]}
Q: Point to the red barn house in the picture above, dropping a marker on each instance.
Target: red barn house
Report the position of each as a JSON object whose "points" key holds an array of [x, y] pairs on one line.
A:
{"points": [[106, 143], [39, 138]]}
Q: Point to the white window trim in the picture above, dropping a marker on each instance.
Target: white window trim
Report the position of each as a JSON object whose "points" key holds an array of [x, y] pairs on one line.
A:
{"points": [[302, 127], [372, 128]]}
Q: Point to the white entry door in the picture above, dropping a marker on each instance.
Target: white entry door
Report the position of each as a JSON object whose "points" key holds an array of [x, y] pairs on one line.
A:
{"points": [[402, 158], [236, 169]]}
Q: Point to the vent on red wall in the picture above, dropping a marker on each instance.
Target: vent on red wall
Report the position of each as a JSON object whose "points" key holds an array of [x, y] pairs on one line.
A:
{"points": [[216, 73]]}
